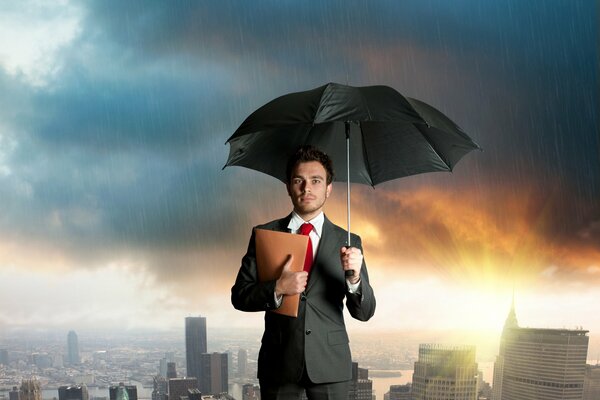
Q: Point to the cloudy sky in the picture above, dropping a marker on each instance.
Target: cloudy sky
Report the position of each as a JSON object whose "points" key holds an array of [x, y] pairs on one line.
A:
{"points": [[114, 115]]}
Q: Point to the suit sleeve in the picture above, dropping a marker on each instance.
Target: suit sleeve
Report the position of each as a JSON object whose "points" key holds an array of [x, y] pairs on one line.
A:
{"points": [[361, 305], [248, 294]]}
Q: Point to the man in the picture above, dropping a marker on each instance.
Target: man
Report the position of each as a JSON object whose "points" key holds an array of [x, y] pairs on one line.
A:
{"points": [[310, 352]]}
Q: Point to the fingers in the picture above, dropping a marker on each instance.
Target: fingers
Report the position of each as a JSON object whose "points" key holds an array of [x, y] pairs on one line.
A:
{"points": [[350, 255], [288, 263], [291, 282], [351, 259]]}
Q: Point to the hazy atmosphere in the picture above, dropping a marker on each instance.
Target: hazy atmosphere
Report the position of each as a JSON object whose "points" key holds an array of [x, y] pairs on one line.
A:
{"points": [[115, 211]]}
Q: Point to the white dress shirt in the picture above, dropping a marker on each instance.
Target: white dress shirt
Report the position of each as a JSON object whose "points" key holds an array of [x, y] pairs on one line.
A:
{"points": [[315, 237]]}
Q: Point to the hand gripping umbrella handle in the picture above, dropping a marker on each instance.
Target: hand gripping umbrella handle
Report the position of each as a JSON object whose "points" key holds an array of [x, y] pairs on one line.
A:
{"points": [[347, 126]]}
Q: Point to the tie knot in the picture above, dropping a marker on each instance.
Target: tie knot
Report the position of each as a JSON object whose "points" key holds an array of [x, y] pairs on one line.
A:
{"points": [[306, 228]]}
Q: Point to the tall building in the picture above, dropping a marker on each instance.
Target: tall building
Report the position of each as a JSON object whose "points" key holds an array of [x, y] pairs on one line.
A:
{"points": [[73, 392], [123, 392], [179, 387], [242, 362], [484, 389], [194, 394], [72, 348], [444, 373], [4, 356], [399, 392], [160, 388], [14, 394], [539, 364], [162, 367], [361, 387], [215, 378], [250, 392], [195, 345], [30, 390], [171, 370], [591, 383]]}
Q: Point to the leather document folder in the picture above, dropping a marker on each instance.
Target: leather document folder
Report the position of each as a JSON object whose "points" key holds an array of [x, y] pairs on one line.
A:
{"points": [[272, 251]]}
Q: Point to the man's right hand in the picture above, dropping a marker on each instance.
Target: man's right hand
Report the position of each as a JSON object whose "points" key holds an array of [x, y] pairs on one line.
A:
{"points": [[290, 282]]}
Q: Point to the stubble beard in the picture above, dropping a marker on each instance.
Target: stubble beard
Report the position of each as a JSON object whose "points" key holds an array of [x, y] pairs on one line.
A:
{"points": [[308, 208]]}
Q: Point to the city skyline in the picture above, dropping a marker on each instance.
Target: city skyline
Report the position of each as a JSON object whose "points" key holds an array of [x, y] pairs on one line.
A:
{"points": [[116, 213], [450, 367]]}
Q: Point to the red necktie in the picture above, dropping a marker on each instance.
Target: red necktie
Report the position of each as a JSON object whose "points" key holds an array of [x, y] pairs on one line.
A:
{"points": [[305, 229]]}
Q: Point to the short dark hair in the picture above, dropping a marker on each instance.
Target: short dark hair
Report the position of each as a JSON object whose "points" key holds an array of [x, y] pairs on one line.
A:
{"points": [[308, 153]]}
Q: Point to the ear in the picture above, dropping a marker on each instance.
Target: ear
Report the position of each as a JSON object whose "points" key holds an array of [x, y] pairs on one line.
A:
{"points": [[287, 187], [328, 191]]}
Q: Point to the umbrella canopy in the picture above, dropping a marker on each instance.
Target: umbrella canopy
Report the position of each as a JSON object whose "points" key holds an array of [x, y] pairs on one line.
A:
{"points": [[391, 136]]}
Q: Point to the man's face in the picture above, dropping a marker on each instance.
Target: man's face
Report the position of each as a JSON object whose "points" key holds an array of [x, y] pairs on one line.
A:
{"points": [[308, 189]]}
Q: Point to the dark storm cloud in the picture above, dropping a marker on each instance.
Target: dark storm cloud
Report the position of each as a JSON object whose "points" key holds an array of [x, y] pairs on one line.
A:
{"points": [[125, 148]]}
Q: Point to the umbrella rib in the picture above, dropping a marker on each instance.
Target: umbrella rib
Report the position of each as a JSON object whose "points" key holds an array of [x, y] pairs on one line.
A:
{"points": [[435, 150], [366, 155], [366, 106]]}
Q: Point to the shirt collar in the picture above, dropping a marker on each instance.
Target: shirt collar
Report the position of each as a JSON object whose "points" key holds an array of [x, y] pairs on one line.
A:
{"points": [[317, 222]]}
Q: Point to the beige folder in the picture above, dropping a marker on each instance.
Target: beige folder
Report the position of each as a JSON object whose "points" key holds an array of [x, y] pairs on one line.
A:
{"points": [[272, 251]]}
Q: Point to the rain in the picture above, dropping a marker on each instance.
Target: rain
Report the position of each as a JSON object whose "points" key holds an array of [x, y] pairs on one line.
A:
{"points": [[112, 144]]}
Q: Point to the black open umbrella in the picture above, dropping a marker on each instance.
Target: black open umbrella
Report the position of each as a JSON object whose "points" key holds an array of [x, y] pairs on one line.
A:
{"points": [[372, 132]]}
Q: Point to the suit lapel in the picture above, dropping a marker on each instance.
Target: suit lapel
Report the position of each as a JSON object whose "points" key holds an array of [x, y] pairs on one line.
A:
{"points": [[327, 249], [282, 224]]}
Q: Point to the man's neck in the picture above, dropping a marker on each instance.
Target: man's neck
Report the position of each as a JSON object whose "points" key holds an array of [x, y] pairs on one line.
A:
{"points": [[309, 216]]}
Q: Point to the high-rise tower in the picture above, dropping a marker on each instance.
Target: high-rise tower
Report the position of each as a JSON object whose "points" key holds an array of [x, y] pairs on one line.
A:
{"points": [[30, 390], [123, 392], [215, 377], [539, 364], [195, 345], [242, 362], [444, 373], [361, 387], [591, 386], [72, 348], [76, 392]]}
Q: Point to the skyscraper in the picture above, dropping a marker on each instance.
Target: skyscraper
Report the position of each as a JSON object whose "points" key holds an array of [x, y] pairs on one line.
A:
{"points": [[250, 392], [179, 387], [361, 387], [242, 362], [72, 348], [215, 378], [4, 356], [162, 366], [591, 385], [399, 392], [75, 392], [160, 388], [30, 390], [123, 392], [444, 373], [539, 364], [171, 370], [195, 345], [14, 394]]}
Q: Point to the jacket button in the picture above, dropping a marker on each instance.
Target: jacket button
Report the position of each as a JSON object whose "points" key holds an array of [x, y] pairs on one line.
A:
{"points": [[308, 331], [303, 297]]}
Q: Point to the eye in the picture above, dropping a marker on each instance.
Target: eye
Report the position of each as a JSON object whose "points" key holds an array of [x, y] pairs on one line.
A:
{"points": [[316, 181]]}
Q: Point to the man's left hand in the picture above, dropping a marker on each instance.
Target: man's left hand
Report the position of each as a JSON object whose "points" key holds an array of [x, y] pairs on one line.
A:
{"points": [[351, 259]]}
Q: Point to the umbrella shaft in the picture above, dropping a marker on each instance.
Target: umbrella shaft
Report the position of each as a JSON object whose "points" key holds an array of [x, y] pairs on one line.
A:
{"points": [[347, 125]]}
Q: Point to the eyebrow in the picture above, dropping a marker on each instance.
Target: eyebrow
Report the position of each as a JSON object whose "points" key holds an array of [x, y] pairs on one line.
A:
{"points": [[310, 177]]}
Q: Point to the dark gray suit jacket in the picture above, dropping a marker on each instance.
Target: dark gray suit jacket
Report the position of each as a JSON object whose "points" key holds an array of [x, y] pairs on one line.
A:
{"points": [[317, 337]]}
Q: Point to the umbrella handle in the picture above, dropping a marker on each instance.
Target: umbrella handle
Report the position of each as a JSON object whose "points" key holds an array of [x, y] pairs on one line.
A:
{"points": [[347, 126]]}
